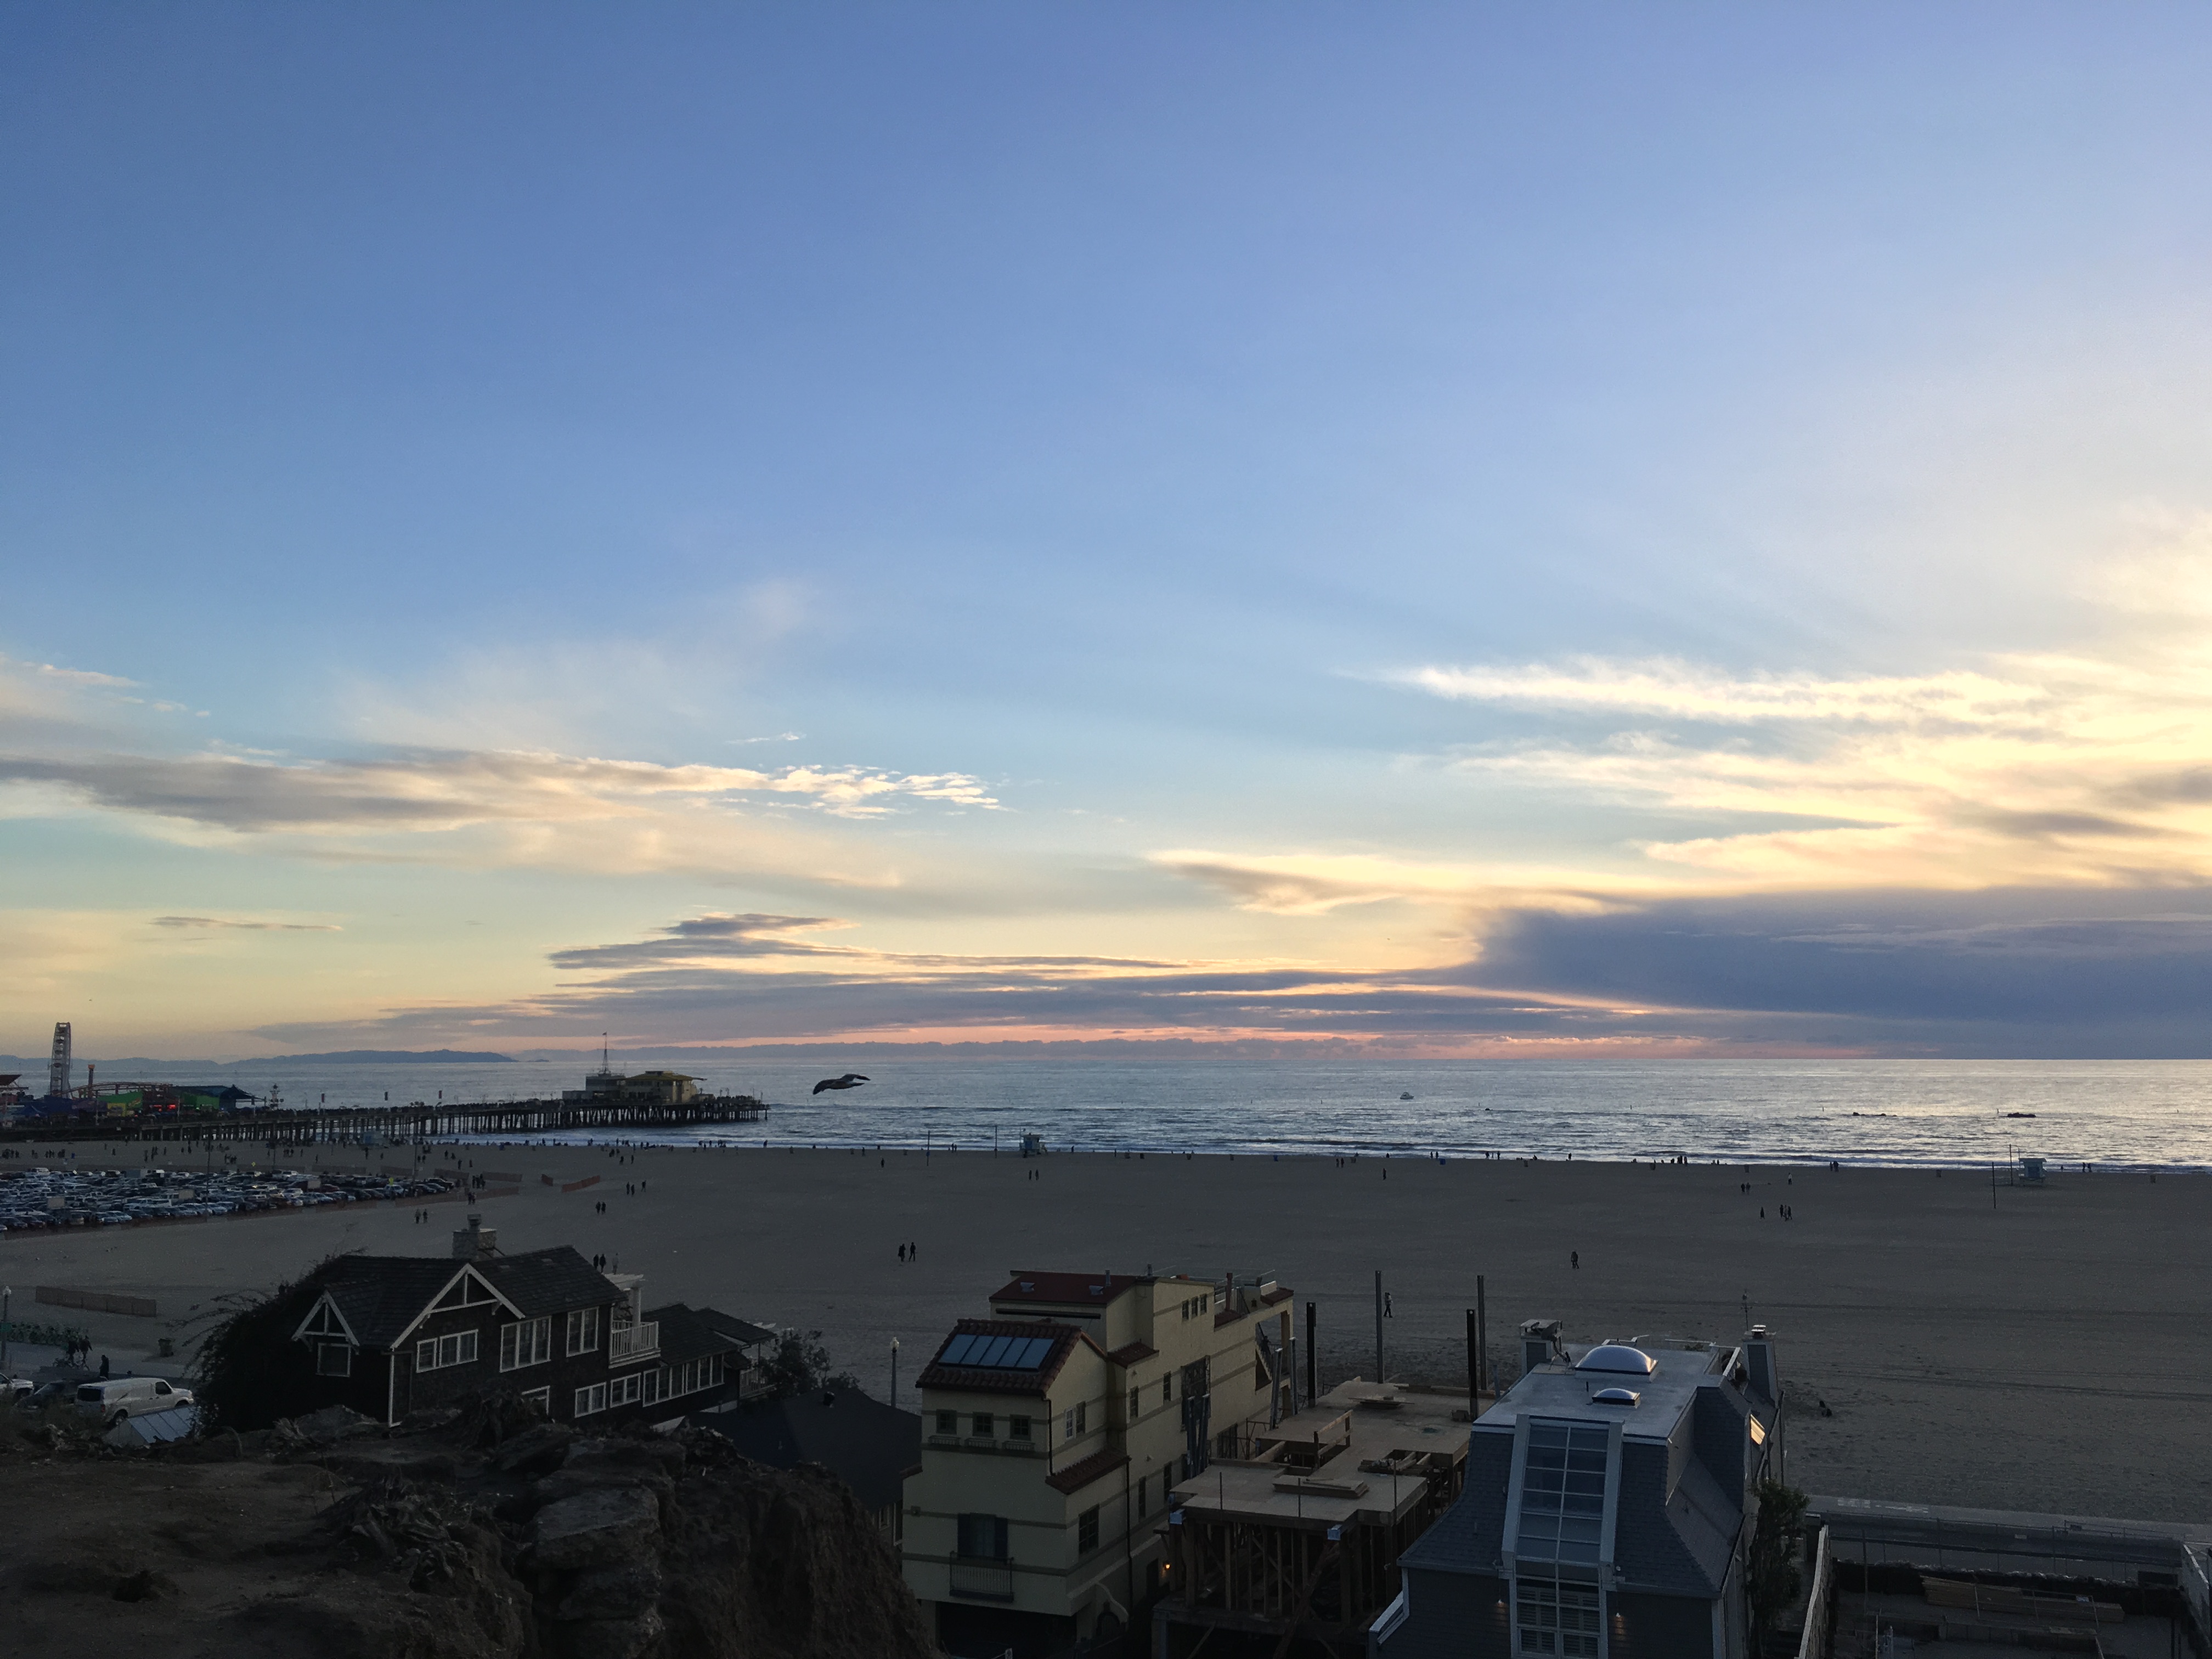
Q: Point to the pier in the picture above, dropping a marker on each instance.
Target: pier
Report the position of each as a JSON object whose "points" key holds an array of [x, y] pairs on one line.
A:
{"points": [[506, 1120]]}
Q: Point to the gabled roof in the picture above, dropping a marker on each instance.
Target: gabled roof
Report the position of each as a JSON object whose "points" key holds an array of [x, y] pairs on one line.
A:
{"points": [[547, 1281], [1032, 1379], [687, 1333], [382, 1298], [743, 1331]]}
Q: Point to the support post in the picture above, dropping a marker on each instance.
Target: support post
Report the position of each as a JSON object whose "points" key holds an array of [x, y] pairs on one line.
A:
{"points": [[1474, 1371], [1378, 1326], [1312, 1389], [1482, 1340]]}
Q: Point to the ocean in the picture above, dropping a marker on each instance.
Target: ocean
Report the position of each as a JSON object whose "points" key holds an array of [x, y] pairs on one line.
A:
{"points": [[2151, 1114]]}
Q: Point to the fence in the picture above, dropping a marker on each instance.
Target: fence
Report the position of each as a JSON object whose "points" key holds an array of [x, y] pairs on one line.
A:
{"points": [[2003, 1543], [41, 1336], [139, 1307], [1820, 1621]]}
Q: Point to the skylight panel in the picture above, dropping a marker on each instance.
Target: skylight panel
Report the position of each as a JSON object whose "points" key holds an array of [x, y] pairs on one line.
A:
{"points": [[956, 1351], [994, 1355]]}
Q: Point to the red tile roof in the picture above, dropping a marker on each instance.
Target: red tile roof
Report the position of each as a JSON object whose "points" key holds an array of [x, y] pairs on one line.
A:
{"points": [[1130, 1353], [1068, 1290], [1076, 1476]]}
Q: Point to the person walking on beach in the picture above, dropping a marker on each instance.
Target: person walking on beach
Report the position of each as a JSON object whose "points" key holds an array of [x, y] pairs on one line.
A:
{"points": [[103, 1367], [1575, 1259], [901, 1252], [1389, 1310]]}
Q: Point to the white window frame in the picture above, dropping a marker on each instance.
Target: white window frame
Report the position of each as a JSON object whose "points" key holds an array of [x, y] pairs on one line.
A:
{"points": [[324, 1351], [438, 1353], [583, 1331], [591, 1400], [1558, 1639], [540, 1398], [526, 1343]]}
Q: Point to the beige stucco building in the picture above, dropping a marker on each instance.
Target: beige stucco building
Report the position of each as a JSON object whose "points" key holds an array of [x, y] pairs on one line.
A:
{"points": [[1052, 1431]]}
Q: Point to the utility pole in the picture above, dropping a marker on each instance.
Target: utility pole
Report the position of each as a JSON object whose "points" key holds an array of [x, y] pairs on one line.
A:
{"points": [[895, 1373], [1313, 1388]]}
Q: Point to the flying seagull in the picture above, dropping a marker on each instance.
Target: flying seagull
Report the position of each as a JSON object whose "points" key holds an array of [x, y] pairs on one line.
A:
{"points": [[850, 1080]]}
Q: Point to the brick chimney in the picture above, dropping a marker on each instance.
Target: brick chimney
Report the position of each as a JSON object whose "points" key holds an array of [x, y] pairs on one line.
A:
{"points": [[475, 1241]]}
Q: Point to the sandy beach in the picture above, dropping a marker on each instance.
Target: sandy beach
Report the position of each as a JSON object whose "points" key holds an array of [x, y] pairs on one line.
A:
{"points": [[2048, 1352]]}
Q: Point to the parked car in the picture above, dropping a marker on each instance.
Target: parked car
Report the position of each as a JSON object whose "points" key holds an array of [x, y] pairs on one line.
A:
{"points": [[17, 1390], [119, 1397]]}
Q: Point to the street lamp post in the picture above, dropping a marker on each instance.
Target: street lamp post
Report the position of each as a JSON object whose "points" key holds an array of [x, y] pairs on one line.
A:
{"points": [[7, 1313], [895, 1373]]}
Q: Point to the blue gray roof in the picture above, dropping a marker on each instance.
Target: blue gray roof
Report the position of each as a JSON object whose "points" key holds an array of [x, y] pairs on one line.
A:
{"points": [[1679, 1492]]}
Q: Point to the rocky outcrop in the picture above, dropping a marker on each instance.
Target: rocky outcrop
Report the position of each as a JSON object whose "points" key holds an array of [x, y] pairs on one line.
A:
{"points": [[484, 1536]]}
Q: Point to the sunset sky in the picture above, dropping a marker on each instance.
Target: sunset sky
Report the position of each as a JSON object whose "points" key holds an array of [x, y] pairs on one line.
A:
{"points": [[1486, 530]]}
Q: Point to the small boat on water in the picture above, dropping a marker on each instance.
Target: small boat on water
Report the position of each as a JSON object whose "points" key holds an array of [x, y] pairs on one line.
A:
{"points": [[1408, 1095]]}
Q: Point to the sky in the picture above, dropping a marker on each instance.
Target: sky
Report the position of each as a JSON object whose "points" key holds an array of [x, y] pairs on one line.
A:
{"points": [[1474, 530]]}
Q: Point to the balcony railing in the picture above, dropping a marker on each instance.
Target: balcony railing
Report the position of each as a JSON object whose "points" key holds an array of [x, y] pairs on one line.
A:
{"points": [[633, 1341], [982, 1579]]}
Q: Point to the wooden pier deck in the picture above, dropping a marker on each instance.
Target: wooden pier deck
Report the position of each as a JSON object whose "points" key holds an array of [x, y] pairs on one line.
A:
{"points": [[507, 1120]]}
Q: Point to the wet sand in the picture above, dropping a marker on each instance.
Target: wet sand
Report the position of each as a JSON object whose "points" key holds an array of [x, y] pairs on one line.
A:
{"points": [[2051, 1353]]}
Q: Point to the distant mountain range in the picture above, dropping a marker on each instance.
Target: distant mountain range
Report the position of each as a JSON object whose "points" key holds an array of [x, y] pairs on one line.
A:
{"points": [[120, 1070], [385, 1057]]}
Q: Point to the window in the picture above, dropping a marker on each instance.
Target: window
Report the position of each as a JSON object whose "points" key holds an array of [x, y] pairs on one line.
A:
{"points": [[627, 1391], [540, 1398], [1143, 1510], [1167, 1389], [1197, 1379], [983, 1537], [1558, 1619], [688, 1378], [583, 1330], [1086, 1531], [593, 1399], [1018, 1428], [1136, 1404], [1562, 1495], [1078, 1420], [333, 1359], [435, 1353], [948, 1422], [1068, 1427], [982, 1429], [530, 1343]]}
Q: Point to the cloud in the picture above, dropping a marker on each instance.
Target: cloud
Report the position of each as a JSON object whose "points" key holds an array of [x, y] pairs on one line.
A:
{"points": [[431, 790], [2086, 766], [1314, 884], [1686, 691], [228, 922]]}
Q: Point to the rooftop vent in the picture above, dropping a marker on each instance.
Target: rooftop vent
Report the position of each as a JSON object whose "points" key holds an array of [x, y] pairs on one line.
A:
{"points": [[1617, 1357], [1616, 1397]]}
